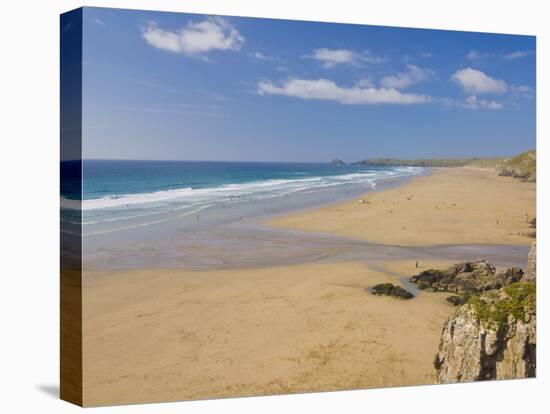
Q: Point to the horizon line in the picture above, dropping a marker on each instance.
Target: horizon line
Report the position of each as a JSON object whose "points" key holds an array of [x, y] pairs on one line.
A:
{"points": [[302, 162]]}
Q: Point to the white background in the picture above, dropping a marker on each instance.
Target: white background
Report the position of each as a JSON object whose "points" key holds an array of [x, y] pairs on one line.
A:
{"points": [[29, 216]]}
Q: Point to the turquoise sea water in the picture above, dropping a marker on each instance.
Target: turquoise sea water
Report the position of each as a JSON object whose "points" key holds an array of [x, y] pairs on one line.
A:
{"points": [[143, 192]]}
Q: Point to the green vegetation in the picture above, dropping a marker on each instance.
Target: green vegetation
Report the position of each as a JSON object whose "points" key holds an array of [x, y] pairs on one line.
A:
{"points": [[518, 299], [486, 162], [523, 166], [416, 163], [436, 162]]}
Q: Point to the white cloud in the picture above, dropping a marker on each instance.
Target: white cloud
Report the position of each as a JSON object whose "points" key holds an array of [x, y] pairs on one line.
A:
{"points": [[261, 56], [522, 88], [476, 82], [323, 89], [491, 104], [522, 91], [198, 38], [474, 102], [413, 75], [369, 57], [475, 55], [333, 57], [365, 83], [517, 54]]}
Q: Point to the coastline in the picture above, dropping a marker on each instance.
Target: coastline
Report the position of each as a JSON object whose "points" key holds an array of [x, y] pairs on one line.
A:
{"points": [[155, 334], [164, 244], [226, 240], [451, 206], [221, 198]]}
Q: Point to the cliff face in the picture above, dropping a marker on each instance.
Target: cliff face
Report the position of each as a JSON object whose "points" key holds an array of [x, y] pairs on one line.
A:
{"points": [[531, 272], [493, 335], [474, 350]]}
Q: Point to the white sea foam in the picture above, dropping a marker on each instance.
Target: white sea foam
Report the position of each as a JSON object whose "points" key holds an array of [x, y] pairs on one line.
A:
{"points": [[135, 210], [228, 192]]}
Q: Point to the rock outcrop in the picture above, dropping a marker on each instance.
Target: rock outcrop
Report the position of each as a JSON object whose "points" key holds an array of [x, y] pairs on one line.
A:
{"points": [[491, 337], [388, 289], [456, 300], [336, 161], [531, 271], [468, 277], [533, 225]]}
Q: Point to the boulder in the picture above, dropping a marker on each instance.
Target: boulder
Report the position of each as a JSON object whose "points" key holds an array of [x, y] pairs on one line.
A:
{"points": [[456, 300], [468, 277], [389, 289], [336, 161], [490, 337]]}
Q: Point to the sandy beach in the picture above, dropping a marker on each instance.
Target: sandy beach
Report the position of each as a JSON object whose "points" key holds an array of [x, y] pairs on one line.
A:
{"points": [[170, 334], [451, 206], [191, 335]]}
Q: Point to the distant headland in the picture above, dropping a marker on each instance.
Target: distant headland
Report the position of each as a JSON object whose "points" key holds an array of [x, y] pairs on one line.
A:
{"points": [[522, 166], [337, 161]]}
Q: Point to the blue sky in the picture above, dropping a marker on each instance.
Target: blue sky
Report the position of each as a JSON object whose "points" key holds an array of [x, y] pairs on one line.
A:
{"points": [[194, 87]]}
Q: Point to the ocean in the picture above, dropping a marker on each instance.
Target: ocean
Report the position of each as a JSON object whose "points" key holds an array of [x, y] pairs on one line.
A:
{"points": [[124, 194]]}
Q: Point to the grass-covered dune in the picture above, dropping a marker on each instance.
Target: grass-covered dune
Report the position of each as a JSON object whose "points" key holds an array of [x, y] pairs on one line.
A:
{"points": [[523, 166]]}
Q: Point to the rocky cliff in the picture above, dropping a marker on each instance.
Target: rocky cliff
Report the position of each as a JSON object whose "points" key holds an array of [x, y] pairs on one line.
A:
{"points": [[531, 271], [483, 340], [492, 335]]}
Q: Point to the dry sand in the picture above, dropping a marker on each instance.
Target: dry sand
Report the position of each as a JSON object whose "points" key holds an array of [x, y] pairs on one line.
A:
{"points": [[172, 334], [161, 335], [452, 206]]}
